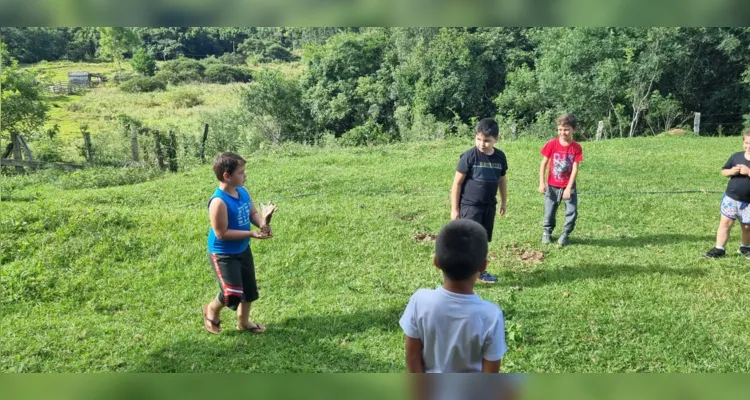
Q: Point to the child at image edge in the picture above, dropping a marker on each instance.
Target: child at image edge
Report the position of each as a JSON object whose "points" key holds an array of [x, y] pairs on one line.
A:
{"points": [[735, 201]]}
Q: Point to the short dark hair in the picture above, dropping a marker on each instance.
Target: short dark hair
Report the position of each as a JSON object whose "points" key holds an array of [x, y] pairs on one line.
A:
{"points": [[227, 162], [487, 127], [461, 248], [567, 120]]}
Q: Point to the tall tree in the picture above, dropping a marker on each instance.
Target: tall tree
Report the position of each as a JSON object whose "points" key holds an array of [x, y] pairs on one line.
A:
{"points": [[22, 107], [116, 41]]}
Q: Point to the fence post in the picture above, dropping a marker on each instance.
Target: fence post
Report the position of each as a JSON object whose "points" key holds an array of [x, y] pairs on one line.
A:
{"points": [[89, 149], [203, 144], [599, 130], [25, 148], [16, 149], [514, 131], [159, 154], [697, 123], [172, 151], [134, 141]]}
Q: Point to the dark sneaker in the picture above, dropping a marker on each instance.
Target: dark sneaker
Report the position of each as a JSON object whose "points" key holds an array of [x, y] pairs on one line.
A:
{"points": [[745, 251], [546, 238], [563, 241], [487, 278], [715, 253]]}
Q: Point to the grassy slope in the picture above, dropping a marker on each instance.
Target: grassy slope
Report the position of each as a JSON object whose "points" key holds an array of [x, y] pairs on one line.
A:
{"points": [[112, 279], [99, 108]]}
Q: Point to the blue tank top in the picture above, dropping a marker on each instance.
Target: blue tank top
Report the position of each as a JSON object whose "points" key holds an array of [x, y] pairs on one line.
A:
{"points": [[238, 215]]}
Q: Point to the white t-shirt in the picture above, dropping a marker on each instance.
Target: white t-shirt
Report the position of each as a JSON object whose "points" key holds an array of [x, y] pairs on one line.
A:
{"points": [[457, 330]]}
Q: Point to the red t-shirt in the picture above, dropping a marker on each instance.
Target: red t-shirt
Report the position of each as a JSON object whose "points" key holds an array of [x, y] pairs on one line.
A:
{"points": [[561, 161]]}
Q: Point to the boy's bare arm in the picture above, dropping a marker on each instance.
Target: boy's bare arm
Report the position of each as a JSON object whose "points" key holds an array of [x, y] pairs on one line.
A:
{"points": [[458, 180], [503, 189], [490, 367], [255, 217], [414, 362], [542, 174], [217, 212], [573, 176]]}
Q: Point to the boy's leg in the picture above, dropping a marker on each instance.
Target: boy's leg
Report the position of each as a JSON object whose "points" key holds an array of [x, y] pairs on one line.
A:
{"points": [[227, 270], [745, 237], [488, 222], [571, 216], [729, 212], [550, 209], [722, 233], [250, 294]]}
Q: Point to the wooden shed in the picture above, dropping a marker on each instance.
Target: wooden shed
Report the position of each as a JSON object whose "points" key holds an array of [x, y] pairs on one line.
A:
{"points": [[86, 79]]}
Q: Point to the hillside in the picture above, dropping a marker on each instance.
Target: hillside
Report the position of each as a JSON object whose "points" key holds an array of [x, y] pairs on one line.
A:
{"points": [[99, 278]]}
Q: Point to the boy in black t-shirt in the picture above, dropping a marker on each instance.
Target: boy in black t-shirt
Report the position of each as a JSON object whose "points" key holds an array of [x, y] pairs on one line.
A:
{"points": [[734, 203], [480, 174]]}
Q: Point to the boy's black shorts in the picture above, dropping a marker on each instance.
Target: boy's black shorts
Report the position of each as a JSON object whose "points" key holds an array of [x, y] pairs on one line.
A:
{"points": [[484, 214], [235, 274]]}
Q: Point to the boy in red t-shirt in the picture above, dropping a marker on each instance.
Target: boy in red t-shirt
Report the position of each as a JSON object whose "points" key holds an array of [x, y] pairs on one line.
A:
{"points": [[566, 154]]}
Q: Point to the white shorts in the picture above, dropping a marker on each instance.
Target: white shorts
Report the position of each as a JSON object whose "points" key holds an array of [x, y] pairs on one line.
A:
{"points": [[735, 210]]}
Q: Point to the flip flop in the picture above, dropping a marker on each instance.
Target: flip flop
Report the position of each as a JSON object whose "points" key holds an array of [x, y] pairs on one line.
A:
{"points": [[257, 329], [211, 326]]}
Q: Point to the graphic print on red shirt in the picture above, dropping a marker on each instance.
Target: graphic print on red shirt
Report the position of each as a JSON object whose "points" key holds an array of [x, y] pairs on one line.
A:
{"points": [[561, 161]]}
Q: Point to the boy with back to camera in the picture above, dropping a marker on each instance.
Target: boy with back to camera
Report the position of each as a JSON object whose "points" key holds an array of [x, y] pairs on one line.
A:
{"points": [[451, 329], [480, 175]]}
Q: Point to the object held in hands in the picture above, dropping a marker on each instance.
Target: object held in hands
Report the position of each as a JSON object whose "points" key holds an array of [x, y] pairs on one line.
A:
{"points": [[266, 211]]}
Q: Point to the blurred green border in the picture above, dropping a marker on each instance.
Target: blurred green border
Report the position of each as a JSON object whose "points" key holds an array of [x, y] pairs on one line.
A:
{"points": [[374, 13], [365, 386]]}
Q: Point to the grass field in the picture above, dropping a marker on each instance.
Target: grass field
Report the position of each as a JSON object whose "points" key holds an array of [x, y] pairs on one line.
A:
{"points": [[98, 278], [99, 108]]}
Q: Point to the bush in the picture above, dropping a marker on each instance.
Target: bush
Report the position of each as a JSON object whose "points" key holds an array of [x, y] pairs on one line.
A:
{"points": [[365, 135], [143, 84], [49, 149], [143, 63], [233, 59], [186, 98], [181, 71], [210, 60], [222, 73], [275, 96]]}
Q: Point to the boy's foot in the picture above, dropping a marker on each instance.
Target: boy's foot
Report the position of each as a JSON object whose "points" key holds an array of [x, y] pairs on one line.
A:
{"points": [[745, 251], [546, 238], [211, 326], [563, 241], [715, 253], [487, 278], [252, 328]]}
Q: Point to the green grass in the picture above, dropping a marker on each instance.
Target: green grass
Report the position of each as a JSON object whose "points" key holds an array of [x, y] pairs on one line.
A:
{"points": [[99, 107], [111, 278]]}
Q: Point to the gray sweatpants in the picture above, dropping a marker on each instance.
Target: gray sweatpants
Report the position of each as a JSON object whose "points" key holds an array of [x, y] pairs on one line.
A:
{"points": [[552, 200]]}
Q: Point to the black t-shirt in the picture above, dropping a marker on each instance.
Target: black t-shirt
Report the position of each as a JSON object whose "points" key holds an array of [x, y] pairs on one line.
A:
{"points": [[483, 173], [738, 187]]}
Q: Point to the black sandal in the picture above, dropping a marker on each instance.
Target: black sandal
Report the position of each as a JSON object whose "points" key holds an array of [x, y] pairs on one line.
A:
{"points": [[215, 326]]}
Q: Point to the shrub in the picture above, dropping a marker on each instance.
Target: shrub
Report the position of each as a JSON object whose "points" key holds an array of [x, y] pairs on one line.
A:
{"points": [[222, 73], [143, 84]]}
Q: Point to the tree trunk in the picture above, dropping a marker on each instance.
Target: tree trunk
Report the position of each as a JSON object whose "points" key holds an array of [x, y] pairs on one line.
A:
{"points": [[634, 122]]}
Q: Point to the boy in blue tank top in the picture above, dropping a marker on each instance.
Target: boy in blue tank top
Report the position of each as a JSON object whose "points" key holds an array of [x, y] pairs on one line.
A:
{"points": [[231, 211]]}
